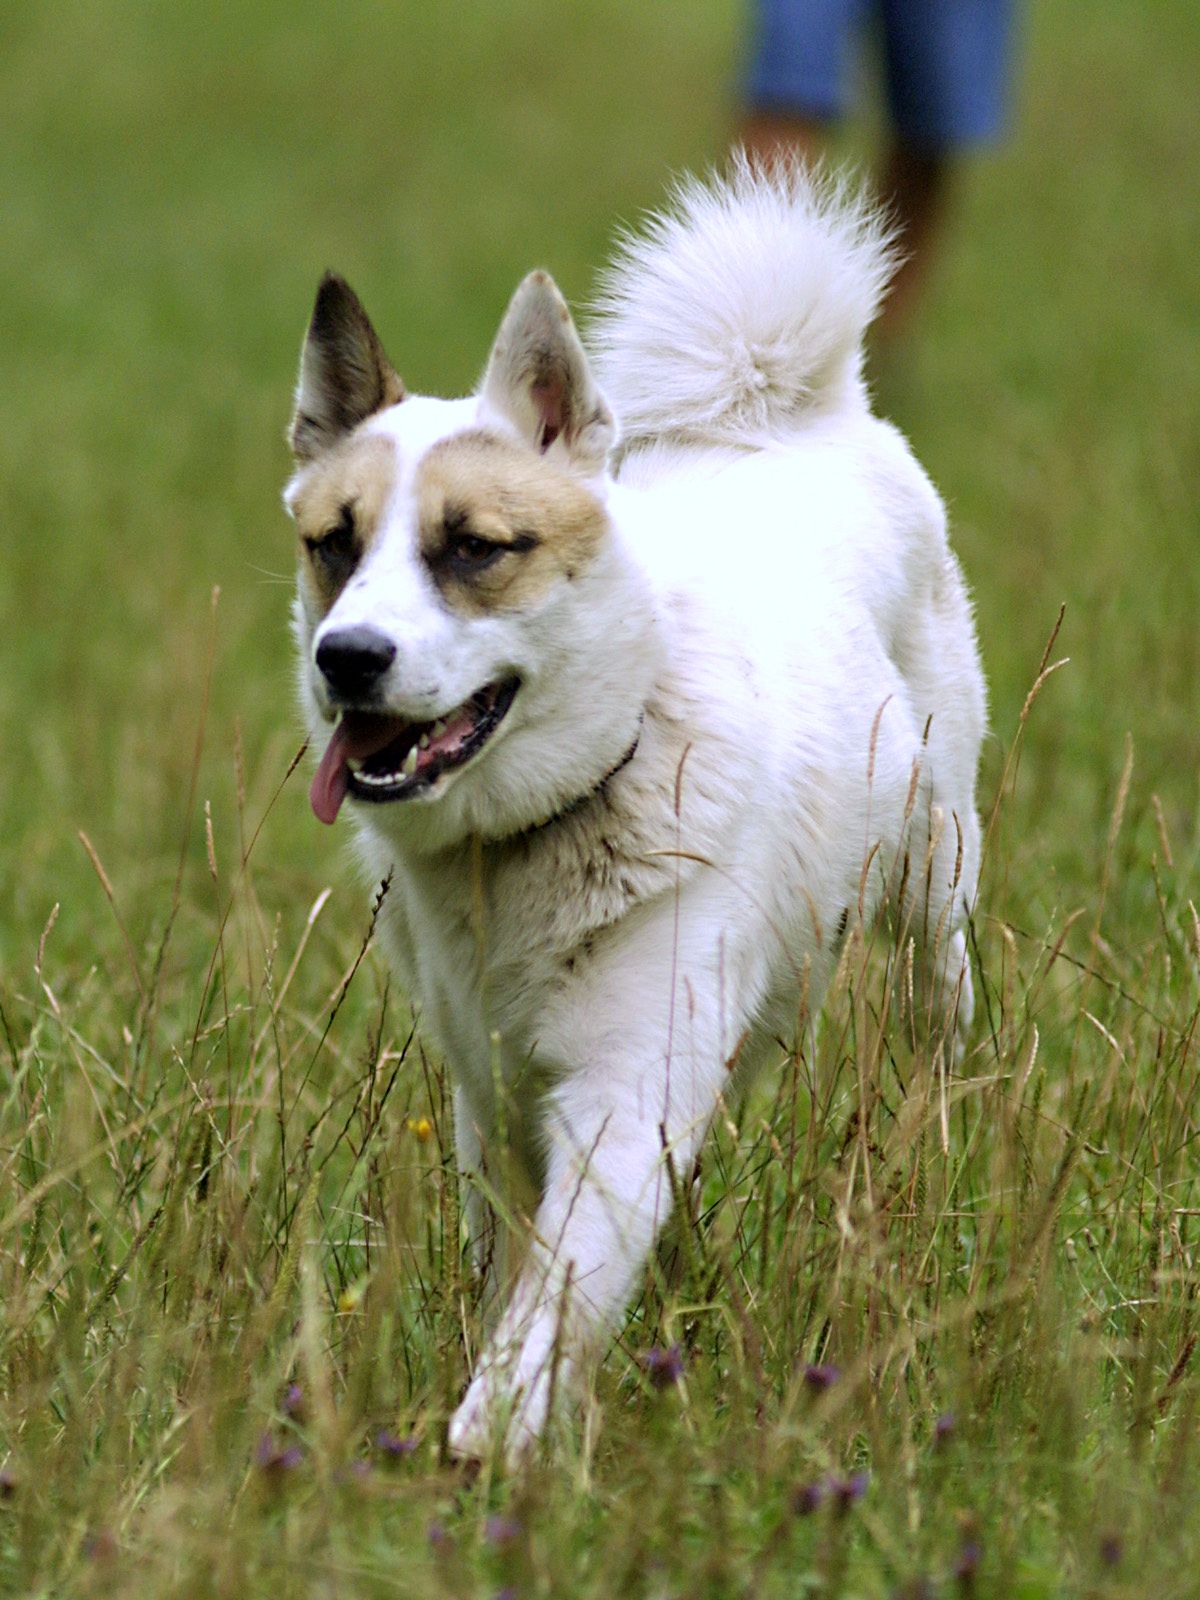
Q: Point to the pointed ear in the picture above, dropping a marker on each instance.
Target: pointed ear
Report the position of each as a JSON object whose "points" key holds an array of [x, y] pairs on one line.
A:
{"points": [[539, 379], [344, 374]]}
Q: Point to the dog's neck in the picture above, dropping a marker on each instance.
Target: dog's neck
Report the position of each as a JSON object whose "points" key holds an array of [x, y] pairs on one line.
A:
{"points": [[596, 792]]}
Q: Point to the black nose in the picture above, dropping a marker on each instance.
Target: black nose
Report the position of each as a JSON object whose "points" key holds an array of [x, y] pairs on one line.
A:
{"points": [[353, 660]]}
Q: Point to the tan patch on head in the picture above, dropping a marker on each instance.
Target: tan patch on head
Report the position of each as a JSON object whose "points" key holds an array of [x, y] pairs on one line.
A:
{"points": [[338, 504], [499, 525]]}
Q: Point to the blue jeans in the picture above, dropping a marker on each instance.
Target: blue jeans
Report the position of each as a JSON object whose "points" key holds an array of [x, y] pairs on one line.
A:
{"points": [[946, 63]]}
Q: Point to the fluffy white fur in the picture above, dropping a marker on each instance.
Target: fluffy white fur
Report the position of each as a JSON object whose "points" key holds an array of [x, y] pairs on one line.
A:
{"points": [[775, 617], [741, 309]]}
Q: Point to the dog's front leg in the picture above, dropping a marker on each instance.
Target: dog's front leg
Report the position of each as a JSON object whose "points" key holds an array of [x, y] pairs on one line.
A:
{"points": [[638, 1096], [497, 1182], [470, 1136]]}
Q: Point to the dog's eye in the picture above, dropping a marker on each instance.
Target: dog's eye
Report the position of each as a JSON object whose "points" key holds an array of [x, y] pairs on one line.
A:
{"points": [[469, 553], [336, 551]]}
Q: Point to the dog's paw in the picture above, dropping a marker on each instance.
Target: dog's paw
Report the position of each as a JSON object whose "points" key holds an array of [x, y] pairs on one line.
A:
{"points": [[503, 1409]]}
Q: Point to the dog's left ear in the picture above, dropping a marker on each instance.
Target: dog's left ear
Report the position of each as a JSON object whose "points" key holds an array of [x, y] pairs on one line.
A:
{"points": [[345, 376], [538, 378]]}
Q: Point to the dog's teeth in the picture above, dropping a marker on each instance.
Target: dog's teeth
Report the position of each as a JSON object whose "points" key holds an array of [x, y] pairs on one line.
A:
{"points": [[438, 728], [423, 742], [410, 762]]}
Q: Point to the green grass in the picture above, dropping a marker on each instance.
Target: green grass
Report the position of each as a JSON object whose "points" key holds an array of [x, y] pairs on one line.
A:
{"points": [[215, 1177]]}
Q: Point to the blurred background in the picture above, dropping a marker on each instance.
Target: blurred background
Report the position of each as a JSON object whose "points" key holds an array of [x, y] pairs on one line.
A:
{"points": [[175, 179]]}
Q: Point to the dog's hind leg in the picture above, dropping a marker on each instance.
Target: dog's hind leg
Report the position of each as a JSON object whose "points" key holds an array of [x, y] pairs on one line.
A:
{"points": [[937, 659], [935, 916]]}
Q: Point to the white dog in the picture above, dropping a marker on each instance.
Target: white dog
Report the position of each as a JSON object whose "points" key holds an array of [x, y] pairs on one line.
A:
{"points": [[637, 725]]}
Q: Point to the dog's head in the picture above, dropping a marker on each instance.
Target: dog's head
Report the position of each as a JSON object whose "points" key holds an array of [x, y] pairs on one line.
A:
{"points": [[464, 606]]}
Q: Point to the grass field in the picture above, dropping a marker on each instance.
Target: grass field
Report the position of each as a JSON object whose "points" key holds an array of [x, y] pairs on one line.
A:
{"points": [[937, 1329]]}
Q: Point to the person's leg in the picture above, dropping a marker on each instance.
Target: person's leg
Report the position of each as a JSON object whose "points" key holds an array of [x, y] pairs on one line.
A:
{"points": [[915, 186], [768, 137], [796, 84], [946, 64]]}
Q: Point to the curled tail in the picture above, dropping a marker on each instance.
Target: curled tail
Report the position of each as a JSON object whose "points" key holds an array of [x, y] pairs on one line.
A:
{"points": [[741, 307]]}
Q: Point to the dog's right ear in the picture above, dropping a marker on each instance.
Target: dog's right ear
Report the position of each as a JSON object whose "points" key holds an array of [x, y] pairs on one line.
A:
{"points": [[345, 376]]}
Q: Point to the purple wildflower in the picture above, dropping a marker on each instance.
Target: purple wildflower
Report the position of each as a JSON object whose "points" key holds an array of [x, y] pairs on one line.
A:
{"points": [[845, 1491], [101, 1545], [273, 1458], [501, 1530], [439, 1538], [967, 1564], [943, 1428], [821, 1377], [8, 1485], [292, 1404], [1111, 1549], [663, 1367], [805, 1498], [394, 1445]]}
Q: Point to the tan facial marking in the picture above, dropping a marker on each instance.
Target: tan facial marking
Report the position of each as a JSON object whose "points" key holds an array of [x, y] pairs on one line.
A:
{"points": [[338, 506], [499, 525]]}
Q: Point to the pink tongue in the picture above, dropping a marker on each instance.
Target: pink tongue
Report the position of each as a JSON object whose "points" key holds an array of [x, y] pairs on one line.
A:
{"points": [[332, 779], [355, 737]]}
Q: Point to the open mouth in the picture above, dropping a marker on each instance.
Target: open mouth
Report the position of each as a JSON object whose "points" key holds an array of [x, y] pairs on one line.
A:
{"points": [[378, 758]]}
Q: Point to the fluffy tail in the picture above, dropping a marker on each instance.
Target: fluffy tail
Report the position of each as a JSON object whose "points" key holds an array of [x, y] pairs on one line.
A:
{"points": [[742, 307]]}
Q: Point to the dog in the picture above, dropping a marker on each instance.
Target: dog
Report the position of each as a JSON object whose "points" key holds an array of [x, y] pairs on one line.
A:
{"points": [[635, 721]]}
